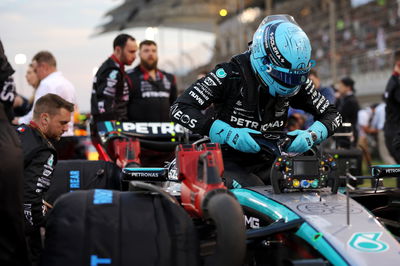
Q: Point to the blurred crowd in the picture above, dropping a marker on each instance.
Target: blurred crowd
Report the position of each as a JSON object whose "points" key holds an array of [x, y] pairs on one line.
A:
{"points": [[362, 44]]}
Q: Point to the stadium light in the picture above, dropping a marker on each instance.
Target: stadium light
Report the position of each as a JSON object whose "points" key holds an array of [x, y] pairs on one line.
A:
{"points": [[223, 12], [249, 15], [151, 33], [20, 59]]}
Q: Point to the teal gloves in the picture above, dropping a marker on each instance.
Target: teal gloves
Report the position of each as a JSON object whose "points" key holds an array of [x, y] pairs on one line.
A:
{"points": [[237, 138], [240, 139], [304, 138]]}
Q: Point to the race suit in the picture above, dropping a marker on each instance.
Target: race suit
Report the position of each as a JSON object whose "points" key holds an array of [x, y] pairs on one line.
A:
{"points": [[39, 160], [240, 101], [392, 121], [150, 99], [110, 92], [40, 157]]}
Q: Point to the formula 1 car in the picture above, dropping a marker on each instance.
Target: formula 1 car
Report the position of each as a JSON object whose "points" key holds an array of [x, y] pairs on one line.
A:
{"points": [[300, 220], [302, 217]]}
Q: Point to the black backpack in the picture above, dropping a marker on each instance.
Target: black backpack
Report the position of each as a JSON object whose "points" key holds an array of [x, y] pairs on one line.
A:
{"points": [[104, 227], [71, 175]]}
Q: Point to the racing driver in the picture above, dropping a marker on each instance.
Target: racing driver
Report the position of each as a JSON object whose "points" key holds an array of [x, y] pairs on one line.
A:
{"points": [[252, 94]]}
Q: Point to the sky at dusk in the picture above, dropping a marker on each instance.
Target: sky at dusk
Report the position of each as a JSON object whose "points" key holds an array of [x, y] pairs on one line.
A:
{"points": [[67, 29]]}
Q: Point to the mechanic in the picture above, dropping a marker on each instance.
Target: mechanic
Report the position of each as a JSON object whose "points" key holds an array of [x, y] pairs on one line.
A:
{"points": [[110, 96], [111, 87], [154, 91], [252, 94], [51, 115]]}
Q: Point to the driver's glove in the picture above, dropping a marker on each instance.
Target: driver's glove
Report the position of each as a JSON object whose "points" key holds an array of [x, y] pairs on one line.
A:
{"points": [[237, 138], [305, 139]]}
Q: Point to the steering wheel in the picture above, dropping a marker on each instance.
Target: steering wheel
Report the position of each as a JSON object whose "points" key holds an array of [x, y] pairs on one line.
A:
{"points": [[293, 172], [273, 143]]}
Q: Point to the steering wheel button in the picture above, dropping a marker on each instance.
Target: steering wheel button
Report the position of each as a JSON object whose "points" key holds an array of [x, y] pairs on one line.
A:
{"points": [[314, 184], [304, 184]]}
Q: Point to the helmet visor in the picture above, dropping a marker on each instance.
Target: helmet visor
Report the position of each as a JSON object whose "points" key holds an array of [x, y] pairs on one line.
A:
{"points": [[288, 91], [288, 76]]}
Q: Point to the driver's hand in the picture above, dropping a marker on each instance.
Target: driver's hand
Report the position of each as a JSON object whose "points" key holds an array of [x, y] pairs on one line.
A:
{"points": [[237, 138], [302, 143]]}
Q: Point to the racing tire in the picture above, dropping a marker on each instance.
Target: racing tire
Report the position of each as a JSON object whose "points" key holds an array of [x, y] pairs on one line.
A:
{"points": [[227, 216]]}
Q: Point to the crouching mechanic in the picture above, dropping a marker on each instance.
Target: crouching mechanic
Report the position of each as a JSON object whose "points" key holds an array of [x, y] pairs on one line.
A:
{"points": [[252, 94], [51, 115]]}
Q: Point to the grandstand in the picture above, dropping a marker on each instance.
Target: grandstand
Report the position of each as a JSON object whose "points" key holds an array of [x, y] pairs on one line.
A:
{"points": [[366, 32]]}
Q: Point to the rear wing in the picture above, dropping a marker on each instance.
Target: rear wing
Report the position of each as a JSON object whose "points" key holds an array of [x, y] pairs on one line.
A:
{"points": [[378, 173], [381, 171]]}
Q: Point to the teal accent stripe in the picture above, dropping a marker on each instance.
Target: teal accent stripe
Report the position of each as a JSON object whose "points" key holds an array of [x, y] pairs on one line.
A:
{"points": [[109, 126], [307, 233], [387, 165], [264, 205], [278, 211], [143, 169]]}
